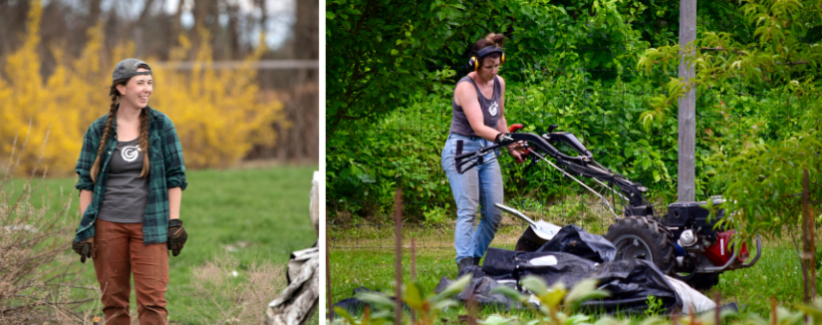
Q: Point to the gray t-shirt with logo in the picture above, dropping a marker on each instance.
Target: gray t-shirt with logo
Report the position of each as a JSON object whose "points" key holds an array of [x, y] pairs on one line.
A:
{"points": [[126, 193], [489, 107]]}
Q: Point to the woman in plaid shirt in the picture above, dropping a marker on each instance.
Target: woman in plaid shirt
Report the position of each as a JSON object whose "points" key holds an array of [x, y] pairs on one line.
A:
{"points": [[131, 177]]}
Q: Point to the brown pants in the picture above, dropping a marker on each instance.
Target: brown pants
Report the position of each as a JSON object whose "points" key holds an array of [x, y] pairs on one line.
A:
{"points": [[119, 252]]}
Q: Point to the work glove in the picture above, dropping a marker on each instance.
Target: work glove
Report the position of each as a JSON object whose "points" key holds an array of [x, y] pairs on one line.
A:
{"points": [[84, 248], [176, 236]]}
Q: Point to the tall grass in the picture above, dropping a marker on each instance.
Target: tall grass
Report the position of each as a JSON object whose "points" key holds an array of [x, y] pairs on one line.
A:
{"points": [[246, 221], [35, 285]]}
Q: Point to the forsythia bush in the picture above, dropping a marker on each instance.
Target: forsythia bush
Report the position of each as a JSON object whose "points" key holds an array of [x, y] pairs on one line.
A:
{"points": [[218, 114]]}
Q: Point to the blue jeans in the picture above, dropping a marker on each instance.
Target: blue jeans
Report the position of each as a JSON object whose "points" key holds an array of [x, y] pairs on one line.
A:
{"points": [[479, 186]]}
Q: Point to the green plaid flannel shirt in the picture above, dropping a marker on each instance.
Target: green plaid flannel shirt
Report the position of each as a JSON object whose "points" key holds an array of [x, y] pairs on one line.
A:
{"points": [[167, 171]]}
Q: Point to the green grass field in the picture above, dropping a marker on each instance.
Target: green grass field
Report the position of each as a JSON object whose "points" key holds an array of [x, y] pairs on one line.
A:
{"points": [[253, 215], [776, 274]]}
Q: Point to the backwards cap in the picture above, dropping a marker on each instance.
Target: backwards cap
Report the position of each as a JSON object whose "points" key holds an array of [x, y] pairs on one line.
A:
{"points": [[127, 69]]}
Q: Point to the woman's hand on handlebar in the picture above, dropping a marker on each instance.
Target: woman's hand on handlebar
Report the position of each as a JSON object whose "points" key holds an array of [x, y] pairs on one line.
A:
{"points": [[516, 151]]}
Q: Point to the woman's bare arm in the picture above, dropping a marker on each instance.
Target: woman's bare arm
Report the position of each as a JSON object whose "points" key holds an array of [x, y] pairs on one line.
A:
{"points": [[85, 200], [502, 125], [175, 195]]}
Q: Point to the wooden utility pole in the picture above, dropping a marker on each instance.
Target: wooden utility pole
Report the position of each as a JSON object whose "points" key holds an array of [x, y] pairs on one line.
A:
{"points": [[686, 181]]}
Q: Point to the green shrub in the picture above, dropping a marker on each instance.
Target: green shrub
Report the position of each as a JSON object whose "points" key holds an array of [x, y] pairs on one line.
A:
{"points": [[570, 64]]}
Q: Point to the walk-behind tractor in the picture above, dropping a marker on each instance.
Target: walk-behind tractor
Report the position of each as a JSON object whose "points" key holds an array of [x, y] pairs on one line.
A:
{"points": [[684, 243]]}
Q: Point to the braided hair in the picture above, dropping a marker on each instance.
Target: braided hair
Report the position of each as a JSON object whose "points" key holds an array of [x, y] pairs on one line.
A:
{"points": [[143, 142]]}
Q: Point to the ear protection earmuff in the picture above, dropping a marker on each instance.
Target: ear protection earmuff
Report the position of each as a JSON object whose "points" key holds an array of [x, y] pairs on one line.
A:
{"points": [[474, 62]]}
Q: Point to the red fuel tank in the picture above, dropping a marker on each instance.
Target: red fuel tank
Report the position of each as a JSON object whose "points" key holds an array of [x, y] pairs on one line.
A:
{"points": [[720, 252]]}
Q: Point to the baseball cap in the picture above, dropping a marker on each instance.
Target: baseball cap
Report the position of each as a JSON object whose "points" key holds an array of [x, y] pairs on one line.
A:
{"points": [[128, 68]]}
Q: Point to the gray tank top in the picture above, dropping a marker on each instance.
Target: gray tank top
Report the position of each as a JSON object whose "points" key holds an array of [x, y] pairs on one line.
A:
{"points": [[126, 193], [490, 110]]}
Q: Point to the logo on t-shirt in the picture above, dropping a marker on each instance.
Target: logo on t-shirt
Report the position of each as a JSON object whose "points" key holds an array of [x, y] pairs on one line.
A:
{"points": [[130, 153], [493, 109]]}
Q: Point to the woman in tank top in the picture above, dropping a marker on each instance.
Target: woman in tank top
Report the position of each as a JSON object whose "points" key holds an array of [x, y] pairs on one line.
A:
{"points": [[131, 177], [478, 121]]}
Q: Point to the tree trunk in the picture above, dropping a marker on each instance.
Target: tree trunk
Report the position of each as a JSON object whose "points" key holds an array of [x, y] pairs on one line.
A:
{"points": [[175, 25], [233, 34], [94, 12], [139, 30], [306, 33], [204, 15], [298, 301]]}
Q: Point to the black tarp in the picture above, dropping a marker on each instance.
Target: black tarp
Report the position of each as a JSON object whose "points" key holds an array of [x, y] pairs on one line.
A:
{"points": [[569, 257], [479, 290], [551, 266], [355, 306], [575, 240], [629, 282]]}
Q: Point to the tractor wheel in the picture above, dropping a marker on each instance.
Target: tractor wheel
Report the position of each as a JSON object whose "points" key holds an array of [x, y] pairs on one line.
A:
{"points": [[642, 238], [529, 241]]}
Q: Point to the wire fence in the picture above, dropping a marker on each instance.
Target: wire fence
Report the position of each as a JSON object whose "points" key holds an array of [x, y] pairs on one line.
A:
{"points": [[381, 236], [583, 211]]}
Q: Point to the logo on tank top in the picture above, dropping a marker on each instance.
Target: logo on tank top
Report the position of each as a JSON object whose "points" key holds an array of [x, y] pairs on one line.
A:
{"points": [[493, 109], [130, 153]]}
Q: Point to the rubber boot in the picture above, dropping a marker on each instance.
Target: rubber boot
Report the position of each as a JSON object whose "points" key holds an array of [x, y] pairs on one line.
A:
{"points": [[477, 260], [464, 263]]}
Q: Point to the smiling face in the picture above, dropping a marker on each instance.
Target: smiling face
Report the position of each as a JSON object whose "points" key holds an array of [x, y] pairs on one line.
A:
{"points": [[489, 68], [137, 91]]}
